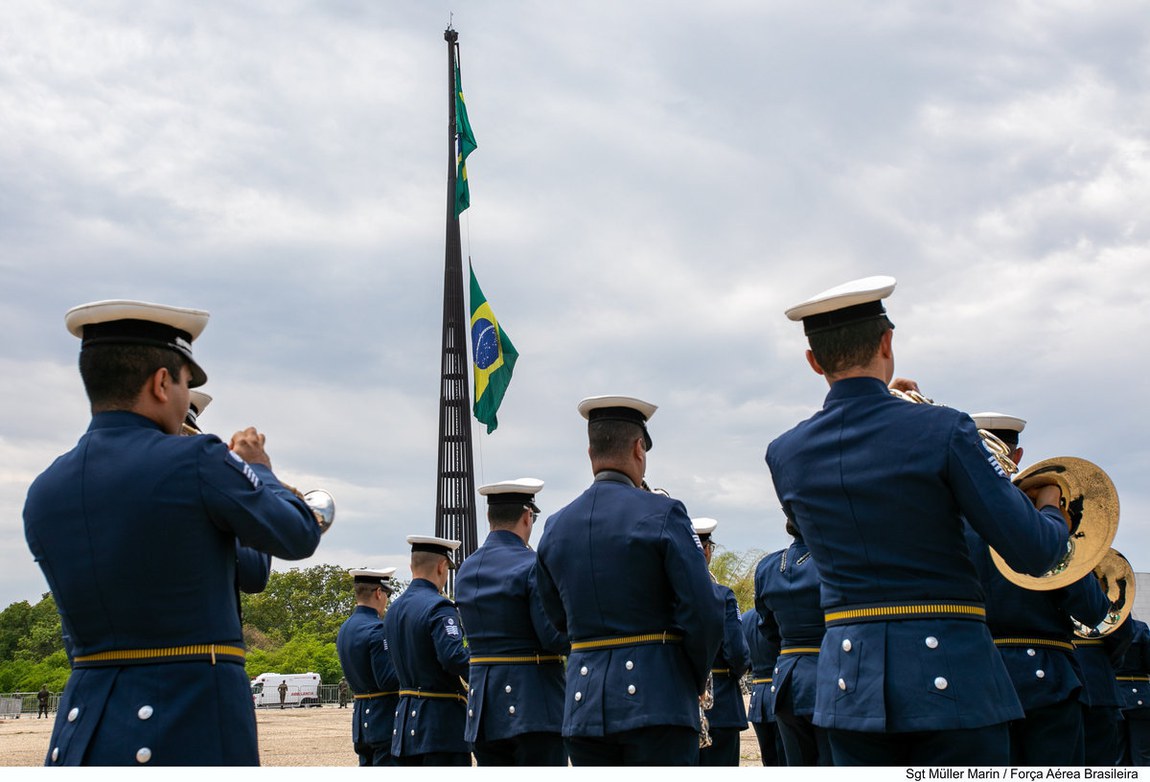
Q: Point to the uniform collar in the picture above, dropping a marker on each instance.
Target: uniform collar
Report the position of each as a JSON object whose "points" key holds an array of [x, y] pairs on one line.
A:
{"points": [[119, 418], [366, 610], [613, 476], [505, 537], [850, 387]]}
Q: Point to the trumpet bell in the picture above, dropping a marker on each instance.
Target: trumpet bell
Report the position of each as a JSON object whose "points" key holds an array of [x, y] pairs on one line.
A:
{"points": [[1090, 507], [1117, 580], [322, 504]]}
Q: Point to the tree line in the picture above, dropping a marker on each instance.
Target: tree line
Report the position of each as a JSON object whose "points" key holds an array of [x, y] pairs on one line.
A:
{"points": [[290, 627]]}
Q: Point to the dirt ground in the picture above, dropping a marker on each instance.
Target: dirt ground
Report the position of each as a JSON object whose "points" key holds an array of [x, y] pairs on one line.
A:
{"points": [[292, 737]]}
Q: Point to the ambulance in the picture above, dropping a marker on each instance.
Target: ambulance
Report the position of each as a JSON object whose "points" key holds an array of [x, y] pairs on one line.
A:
{"points": [[302, 690]]}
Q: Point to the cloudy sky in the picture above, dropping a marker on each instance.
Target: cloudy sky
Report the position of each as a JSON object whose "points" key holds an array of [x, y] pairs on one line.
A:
{"points": [[654, 184]]}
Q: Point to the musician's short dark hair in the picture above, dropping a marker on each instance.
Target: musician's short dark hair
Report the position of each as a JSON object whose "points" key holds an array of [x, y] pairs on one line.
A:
{"points": [[612, 439], [504, 516], [364, 591], [114, 375], [846, 347]]}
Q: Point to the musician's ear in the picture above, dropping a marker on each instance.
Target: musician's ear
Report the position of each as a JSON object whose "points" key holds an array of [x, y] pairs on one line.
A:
{"points": [[814, 364]]}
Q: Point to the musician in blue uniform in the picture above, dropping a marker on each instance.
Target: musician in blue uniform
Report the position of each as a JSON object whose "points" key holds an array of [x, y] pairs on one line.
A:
{"points": [[366, 662], [727, 716], [515, 688], [787, 600], [136, 531], [1034, 633], [622, 573], [878, 488], [1133, 680], [1100, 698], [425, 634], [764, 653]]}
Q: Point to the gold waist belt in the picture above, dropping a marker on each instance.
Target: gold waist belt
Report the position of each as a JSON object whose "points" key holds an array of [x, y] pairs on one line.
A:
{"points": [[1048, 643], [627, 640], [170, 654], [884, 612], [1132, 678], [525, 659], [799, 650], [366, 695], [458, 696], [1088, 642], [767, 680]]}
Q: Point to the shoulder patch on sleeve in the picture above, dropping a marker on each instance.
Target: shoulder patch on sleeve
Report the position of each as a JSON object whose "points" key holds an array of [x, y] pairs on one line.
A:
{"points": [[450, 627], [244, 468], [993, 459]]}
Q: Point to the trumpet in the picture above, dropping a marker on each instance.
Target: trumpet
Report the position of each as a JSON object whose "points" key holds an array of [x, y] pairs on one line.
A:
{"points": [[321, 503]]}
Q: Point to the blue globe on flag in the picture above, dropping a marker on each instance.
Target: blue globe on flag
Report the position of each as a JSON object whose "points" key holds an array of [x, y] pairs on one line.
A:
{"points": [[484, 343]]}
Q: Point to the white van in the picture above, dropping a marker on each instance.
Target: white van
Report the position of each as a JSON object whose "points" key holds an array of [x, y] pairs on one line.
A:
{"points": [[302, 689]]}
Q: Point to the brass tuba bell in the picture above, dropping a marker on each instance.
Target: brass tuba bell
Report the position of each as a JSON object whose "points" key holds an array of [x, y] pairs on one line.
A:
{"points": [[1117, 580], [1090, 507]]}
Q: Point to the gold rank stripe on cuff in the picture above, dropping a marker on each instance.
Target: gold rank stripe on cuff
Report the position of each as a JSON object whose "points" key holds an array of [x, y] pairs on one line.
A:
{"points": [[366, 695], [1088, 642], [1132, 678], [799, 650], [768, 680], [895, 611], [1049, 643], [626, 640], [536, 659], [425, 694], [171, 654]]}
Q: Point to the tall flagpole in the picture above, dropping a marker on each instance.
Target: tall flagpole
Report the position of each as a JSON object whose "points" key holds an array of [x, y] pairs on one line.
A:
{"points": [[455, 490]]}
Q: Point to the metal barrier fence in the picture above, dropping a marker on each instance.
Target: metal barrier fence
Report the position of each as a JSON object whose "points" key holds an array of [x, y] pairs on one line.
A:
{"points": [[15, 704]]}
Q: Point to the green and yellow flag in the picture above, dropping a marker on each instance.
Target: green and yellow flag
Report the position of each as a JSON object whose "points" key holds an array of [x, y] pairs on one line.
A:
{"points": [[492, 357], [466, 145]]}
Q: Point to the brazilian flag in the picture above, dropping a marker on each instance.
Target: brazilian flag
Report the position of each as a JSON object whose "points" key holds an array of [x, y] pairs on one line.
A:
{"points": [[492, 355], [466, 145]]}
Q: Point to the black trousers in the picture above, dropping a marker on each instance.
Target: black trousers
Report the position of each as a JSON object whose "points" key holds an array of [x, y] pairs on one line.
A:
{"points": [[724, 749], [375, 754], [1101, 724], [988, 746], [1050, 736], [771, 750], [660, 745], [527, 749], [804, 743], [436, 759]]}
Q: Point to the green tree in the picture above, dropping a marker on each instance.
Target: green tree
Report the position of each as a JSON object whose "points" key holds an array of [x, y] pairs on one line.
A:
{"points": [[304, 653], [314, 600], [737, 570]]}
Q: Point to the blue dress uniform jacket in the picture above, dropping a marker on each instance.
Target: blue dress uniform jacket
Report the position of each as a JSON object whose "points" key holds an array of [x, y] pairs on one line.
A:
{"points": [[1133, 680], [426, 639], [1033, 631], [732, 662], [764, 653], [621, 563], [516, 680], [878, 487], [370, 673], [136, 533], [787, 596]]}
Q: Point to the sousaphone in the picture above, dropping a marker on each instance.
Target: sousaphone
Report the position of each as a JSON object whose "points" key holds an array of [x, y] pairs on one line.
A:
{"points": [[1090, 507]]}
